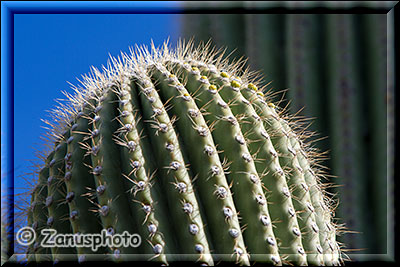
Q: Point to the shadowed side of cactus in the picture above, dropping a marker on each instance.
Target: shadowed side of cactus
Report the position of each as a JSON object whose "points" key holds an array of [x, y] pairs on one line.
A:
{"points": [[181, 147]]}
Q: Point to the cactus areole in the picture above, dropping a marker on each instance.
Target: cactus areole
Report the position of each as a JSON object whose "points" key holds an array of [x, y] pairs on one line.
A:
{"points": [[183, 149]]}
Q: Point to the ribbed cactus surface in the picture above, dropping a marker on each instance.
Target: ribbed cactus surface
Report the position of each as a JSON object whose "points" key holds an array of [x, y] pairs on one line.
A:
{"points": [[336, 68], [182, 148]]}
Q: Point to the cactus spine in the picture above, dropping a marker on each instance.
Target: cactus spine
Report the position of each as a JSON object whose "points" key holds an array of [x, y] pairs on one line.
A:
{"points": [[182, 148]]}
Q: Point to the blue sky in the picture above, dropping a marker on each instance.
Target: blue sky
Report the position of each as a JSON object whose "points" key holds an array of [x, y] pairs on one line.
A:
{"points": [[51, 49]]}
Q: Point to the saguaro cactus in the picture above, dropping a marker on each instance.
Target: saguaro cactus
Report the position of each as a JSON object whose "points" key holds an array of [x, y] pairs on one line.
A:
{"points": [[184, 149]]}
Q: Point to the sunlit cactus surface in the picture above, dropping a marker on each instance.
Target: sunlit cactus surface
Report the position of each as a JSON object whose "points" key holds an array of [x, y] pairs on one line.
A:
{"points": [[184, 148]]}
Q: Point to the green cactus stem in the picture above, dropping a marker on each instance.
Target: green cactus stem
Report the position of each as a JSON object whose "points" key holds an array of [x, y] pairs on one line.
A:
{"points": [[180, 147], [39, 210], [375, 29], [265, 43], [346, 125]]}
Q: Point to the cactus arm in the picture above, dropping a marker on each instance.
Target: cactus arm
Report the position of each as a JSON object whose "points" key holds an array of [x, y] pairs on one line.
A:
{"points": [[201, 22], [305, 77], [375, 26], [301, 80], [161, 133], [269, 40], [221, 213], [233, 36], [348, 153], [242, 169], [139, 182], [56, 192]]}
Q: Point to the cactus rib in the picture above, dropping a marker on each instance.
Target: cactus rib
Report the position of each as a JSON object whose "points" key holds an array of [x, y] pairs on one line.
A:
{"points": [[56, 202], [205, 162], [181, 196], [241, 165], [277, 189], [77, 180], [135, 171], [273, 125], [39, 210]]}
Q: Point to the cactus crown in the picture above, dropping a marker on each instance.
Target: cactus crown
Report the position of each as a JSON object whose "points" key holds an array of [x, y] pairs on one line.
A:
{"points": [[183, 148]]}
